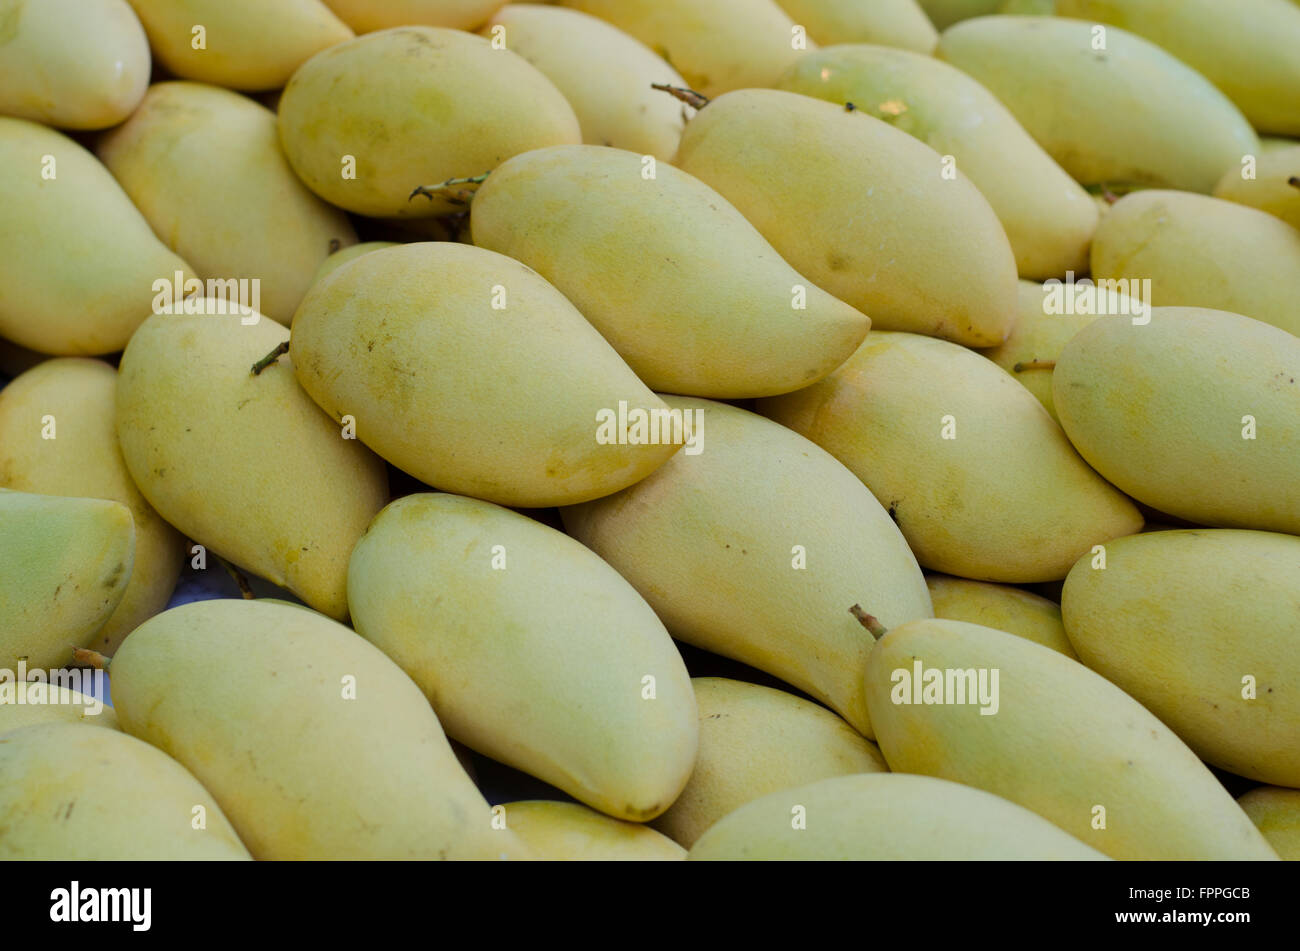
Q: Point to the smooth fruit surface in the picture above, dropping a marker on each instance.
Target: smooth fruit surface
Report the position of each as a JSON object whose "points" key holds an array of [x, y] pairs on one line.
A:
{"points": [[1000, 606], [567, 831]]}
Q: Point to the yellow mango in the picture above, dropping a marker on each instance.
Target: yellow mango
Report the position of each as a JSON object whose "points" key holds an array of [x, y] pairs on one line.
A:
{"points": [[1052, 736], [315, 744], [77, 795], [83, 459], [77, 260], [32, 702], [1049, 219], [202, 164], [1274, 187], [1002, 607], [366, 122], [497, 402], [567, 831], [944, 13], [1109, 106], [366, 16], [342, 257], [753, 741], [1196, 414], [981, 481], [246, 465], [899, 23], [754, 546], [77, 64], [727, 318], [885, 816], [1276, 812], [867, 214], [243, 44]]}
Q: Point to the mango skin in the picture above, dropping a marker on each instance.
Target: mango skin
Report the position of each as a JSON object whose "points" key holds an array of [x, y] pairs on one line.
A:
{"points": [[76, 64], [866, 215], [414, 106], [1199, 251], [499, 404], [567, 831], [585, 219], [1006, 499], [1129, 114], [46, 703], [755, 740], [77, 260], [64, 565], [251, 45], [254, 699], [366, 16], [1246, 48], [72, 794], [85, 460], [536, 661], [716, 45], [944, 13], [710, 541], [1274, 188], [887, 816], [1063, 741], [1049, 219], [1178, 618], [1159, 411], [1001, 607], [202, 163], [246, 465], [895, 23], [1276, 812], [342, 257], [604, 73]]}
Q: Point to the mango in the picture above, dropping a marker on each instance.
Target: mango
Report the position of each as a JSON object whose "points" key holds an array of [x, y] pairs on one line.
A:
{"points": [[1059, 740], [1049, 219], [64, 565], [1196, 414], [366, 16], [567, 831], [77, 260], [944, 13], [885, 816], [979, 479], [245, 465], [1000, 606], [280, 712], [754, 546], [899, 23], [727, 318], [1276, 812], [343, 256], [1109, 106], [868, 214], [1274, 187], [32, 702], [476, 376], [77, 64], [367, 122], [753, 741]]}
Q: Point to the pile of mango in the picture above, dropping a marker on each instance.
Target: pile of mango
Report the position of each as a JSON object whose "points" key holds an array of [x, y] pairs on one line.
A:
{"points": [[650, 429]]}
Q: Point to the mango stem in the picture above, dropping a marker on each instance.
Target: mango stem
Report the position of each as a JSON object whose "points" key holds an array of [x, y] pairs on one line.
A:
{"points": [[688, 96], [279, 351], [240, 581], [869, 621], [461, 197]]}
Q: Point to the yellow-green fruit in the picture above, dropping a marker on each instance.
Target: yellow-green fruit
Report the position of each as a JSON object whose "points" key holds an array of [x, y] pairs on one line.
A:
{"points": [[1180, 619], [899, 23], [885, 816], [605, 74], [1125, 112], [753, 741], [1274, 187], [531, 649], [868, 214], [72, 794], [753, 544], [246, 465], [245, 44], [64, 565], [33, 702], [674, 277], [1276, 812], [315, 744], [998, 712], [716, 45], [78, 64], [981, 481], [77, 260], [366, 16], [475, 376], [1196, 414], [1269, 144], [944, 13], [1049, 219], [1199, 251], [339, 258], [73, 401], [567, 831], [1248, 48], [366, 122], [201, 163], [999, 606]]}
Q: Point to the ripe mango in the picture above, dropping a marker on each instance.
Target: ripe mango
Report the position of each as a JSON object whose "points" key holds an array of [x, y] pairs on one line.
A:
{"points": [[1002, 607], [567, 831]]}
